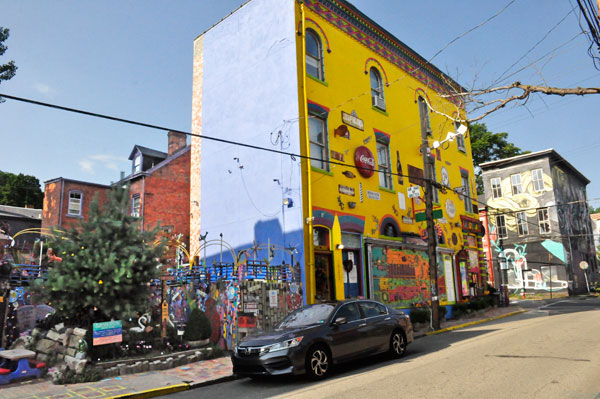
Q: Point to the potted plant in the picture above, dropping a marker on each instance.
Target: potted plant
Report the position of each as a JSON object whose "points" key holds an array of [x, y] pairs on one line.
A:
{"points": [[197, 330]]}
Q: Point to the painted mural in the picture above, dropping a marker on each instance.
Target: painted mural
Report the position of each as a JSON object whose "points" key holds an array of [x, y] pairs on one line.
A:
{"points": [[401, 276], [535, 261]]}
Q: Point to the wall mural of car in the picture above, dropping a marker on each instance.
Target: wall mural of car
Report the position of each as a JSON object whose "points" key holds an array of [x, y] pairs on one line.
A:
{"points": [[315, 337]]}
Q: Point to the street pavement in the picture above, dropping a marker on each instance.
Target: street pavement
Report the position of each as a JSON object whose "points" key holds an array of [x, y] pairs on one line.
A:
{"points": [[525, 355], [219, 371]]}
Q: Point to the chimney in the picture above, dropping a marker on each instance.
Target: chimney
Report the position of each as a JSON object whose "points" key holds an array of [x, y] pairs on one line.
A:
{"points": [[177, 141]]}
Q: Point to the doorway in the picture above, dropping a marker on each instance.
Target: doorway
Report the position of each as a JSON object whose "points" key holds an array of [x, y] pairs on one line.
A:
{"points": [[324, 277]]}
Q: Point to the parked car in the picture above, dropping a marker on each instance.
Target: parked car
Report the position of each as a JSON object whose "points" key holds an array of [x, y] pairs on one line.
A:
{"points": [[313, 338]]}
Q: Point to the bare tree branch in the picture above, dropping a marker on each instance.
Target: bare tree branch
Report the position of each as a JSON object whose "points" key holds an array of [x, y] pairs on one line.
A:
{"points": [[474, 98]]}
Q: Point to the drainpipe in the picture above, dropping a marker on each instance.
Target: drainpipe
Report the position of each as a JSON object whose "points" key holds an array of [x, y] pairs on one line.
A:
{"points": [[143, 199], [62, 192], [309, 272]]}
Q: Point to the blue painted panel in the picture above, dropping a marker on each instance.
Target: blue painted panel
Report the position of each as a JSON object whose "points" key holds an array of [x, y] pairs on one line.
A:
{"points": [[250, 94]]}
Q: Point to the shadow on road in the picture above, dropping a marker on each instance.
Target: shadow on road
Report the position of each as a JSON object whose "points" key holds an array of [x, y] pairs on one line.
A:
{"points": [[270, 386]]}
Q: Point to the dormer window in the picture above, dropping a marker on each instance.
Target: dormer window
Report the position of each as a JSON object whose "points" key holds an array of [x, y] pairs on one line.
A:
{"points": [[137, 163]]}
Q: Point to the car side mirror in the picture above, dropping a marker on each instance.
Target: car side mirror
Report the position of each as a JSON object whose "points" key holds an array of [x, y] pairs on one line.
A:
{"points": [[339, 321]]}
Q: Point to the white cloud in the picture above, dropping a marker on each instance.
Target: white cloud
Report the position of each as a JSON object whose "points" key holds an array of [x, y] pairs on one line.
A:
{"points": [[87, 166], [106, 161], [44, 89]]}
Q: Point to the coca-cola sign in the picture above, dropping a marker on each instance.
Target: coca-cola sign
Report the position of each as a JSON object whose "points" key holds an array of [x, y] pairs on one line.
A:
{"points": [[364, 161]]}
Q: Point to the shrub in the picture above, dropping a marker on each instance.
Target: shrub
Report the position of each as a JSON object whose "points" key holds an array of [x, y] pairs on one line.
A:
{"points": [[419, 315], [197, 327]]}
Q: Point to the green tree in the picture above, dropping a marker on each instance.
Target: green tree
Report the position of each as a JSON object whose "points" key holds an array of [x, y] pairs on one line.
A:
{"points": [[593, 210], [487, 146], [7, 71], [107, 263], [20, 190]]}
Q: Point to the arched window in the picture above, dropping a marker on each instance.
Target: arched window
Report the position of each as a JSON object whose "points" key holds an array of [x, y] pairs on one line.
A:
{"points": [[389, 230], [377, 98], [314, 55]]}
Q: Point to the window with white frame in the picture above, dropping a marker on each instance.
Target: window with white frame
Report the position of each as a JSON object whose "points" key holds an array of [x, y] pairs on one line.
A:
{"points": [[460, 138], [75, 202], [522, 228], [544, 220], [538, 180], [135, 206], [495, 184], [314, 55], [137, 163], [384, 165], [515, 181], [424, 115], [318, 142], [377, 97], [501, 226]]}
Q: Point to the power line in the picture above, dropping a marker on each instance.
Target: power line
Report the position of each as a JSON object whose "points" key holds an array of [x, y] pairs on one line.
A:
{"points": [[534, 46], [471, 30], [437, 185]]}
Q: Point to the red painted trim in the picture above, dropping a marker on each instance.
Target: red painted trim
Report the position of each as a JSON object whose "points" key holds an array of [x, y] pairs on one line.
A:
{"points": [[382, 132], [387, 83], [318, 105]]}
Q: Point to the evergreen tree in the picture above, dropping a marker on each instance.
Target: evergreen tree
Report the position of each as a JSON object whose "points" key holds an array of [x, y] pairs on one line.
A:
{"points": [[107, 263]]}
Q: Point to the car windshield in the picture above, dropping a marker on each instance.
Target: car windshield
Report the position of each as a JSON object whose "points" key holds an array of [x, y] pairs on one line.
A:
{"points": [[312, 314]]}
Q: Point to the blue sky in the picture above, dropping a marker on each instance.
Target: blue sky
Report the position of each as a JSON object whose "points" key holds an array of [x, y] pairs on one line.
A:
{"points": [[134, 60]]}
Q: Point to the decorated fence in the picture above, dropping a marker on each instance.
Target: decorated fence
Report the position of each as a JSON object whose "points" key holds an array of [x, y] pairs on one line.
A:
{"points": [[237, 300]]}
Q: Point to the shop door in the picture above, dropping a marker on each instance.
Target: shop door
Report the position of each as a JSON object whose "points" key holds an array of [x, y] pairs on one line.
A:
{"points": [[324, 277], [352, 273]]}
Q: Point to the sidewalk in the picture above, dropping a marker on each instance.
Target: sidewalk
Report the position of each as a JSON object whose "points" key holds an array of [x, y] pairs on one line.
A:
{"points": [[189, 376], [142, 385]]}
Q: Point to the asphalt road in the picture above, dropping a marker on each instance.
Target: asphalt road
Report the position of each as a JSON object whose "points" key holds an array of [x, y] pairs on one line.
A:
{"points": [[552, 351]]}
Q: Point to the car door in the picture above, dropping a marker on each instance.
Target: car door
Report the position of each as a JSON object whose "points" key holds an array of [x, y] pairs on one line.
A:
{"points": [[346, 338], [378, 328]]}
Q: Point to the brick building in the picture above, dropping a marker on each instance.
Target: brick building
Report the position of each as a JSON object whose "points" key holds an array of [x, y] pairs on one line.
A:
{"points": [[67, 201], [160, 186], [159, 189]]}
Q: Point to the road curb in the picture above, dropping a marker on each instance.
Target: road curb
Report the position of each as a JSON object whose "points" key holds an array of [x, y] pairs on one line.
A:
{"points": [[472, 323], [151, 393], [169, 389]]}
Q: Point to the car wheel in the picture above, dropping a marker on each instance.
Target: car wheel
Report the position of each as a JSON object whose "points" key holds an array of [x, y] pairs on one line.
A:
{"points": [[318, 362], [398, 343]]}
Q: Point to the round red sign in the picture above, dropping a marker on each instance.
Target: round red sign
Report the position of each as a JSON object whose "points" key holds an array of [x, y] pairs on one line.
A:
{"points": [[364, 161]]}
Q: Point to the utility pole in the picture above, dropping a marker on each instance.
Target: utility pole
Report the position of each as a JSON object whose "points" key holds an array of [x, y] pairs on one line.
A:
{"points": [[431, 237]]}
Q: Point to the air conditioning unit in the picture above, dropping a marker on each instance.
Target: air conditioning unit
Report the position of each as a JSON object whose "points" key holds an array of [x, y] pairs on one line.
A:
{"points": [[378, 102]]}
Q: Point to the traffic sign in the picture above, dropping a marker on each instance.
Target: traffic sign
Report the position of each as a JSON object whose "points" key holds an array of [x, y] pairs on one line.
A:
{"points": [[413, 191]]}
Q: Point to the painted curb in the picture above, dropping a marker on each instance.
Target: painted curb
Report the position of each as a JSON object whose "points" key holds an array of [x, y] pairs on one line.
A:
{"points": [[473, 323], [151, 393]]}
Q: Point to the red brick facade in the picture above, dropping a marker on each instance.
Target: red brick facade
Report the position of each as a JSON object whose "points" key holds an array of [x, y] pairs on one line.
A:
{"points": [[164, 193], [56, 201]]}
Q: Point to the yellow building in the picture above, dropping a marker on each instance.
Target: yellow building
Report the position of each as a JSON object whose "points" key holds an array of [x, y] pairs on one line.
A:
{"points": [[363, 99]]}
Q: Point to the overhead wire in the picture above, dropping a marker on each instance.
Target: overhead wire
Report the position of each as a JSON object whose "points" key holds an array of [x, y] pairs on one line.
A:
{"points": [[435, 184], [500, 78]]}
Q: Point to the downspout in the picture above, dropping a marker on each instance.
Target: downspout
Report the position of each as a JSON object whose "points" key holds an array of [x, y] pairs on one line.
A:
{"points": [[62, 192], [143, 199], [307, 202]]}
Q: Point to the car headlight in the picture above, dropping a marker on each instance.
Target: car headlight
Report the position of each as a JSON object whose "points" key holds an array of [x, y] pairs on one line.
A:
{"points": [[290, 343]]}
